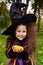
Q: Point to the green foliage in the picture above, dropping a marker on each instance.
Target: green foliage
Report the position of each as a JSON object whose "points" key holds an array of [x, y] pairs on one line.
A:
{"points": [[3, 58], [39, 55], [41, 25], [1, 21], [4, 16]]}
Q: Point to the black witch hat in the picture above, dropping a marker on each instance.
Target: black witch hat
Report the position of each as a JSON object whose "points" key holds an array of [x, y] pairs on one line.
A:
{"points": [[16, 17]]}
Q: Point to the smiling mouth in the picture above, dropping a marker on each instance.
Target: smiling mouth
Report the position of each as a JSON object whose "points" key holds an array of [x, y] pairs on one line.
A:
{"points": [[21, 36]]}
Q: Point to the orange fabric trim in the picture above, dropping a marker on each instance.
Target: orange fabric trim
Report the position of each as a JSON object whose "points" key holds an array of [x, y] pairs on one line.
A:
{"points": [[14, 62]]}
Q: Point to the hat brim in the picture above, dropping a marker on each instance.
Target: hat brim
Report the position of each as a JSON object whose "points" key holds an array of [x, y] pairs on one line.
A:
{"points": [[8, 31], [26, 19]]}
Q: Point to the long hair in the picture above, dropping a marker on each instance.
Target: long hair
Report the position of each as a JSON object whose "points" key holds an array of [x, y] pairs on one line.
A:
{"points": [[31, 39]]}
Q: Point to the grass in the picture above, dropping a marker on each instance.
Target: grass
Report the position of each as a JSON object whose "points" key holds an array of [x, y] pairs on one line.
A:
{"points": [[39, 54], [2, 50], [39, 50]]}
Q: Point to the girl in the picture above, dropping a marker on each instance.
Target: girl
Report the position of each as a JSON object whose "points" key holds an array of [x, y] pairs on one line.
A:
{"points": [[21, 43]]}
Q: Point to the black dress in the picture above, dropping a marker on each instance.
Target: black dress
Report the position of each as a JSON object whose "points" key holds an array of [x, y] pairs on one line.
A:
{"points": [[13, 55]]}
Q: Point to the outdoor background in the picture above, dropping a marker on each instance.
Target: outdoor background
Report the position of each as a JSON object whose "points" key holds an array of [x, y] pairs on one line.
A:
{"points": [[34, 6]]}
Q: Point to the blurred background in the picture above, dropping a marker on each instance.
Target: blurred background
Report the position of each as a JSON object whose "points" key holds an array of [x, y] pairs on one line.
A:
{"points": [[34, 7]]}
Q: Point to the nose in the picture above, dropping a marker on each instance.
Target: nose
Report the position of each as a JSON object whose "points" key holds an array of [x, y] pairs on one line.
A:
{"points": [[21, 33]]}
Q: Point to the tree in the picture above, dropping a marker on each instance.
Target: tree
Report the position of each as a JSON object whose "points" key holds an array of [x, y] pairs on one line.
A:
{"points": [[25, 9], [4, 16], [13, 0], [38, 6]]}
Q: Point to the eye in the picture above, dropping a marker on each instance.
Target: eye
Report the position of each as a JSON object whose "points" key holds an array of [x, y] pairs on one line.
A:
{"points": [[18, 31], [24, 31]]}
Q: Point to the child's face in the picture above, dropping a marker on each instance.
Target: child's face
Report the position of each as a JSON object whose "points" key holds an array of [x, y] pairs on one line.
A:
{"points": [[21, 32]]}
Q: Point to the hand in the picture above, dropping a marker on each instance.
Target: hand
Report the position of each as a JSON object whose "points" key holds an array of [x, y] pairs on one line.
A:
{"points": [[17, 48]]}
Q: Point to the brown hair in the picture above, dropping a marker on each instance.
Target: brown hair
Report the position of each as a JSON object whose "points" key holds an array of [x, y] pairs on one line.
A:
{"points": [[31, 39]]}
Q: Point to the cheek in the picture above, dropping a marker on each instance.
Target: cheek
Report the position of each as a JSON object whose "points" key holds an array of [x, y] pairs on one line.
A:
{"points": [[25, 34], [17, 34]]}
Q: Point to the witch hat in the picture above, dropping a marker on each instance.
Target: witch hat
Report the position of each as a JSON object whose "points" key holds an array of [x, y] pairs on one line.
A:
{"points": [[16, 18]]}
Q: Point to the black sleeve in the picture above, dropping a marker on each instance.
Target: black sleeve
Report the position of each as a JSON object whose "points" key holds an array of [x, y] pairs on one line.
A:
{"points": [[11, 54]]}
